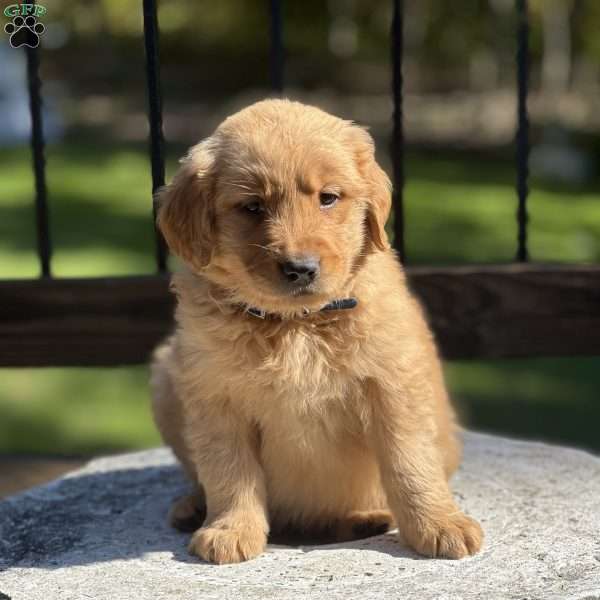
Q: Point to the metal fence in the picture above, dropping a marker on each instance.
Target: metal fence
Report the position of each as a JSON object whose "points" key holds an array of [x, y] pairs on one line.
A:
{"points": [[521, 309]]}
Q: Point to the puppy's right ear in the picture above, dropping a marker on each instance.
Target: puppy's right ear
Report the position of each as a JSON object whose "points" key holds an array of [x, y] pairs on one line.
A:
{"points": [[186, 207]]}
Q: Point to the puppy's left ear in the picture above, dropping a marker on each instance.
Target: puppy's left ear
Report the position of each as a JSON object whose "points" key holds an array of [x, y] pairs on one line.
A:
{"points": [[379, 188]]}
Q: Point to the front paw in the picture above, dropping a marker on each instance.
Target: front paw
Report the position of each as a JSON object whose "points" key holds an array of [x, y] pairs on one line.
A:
{"points": [[228, 542], [452, 536]]}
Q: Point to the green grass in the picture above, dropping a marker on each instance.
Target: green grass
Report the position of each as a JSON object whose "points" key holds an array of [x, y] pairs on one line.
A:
{"points": [[86, 411], [75, 411], [457, 209], [463, 210], [544, 399], [100, 220]]}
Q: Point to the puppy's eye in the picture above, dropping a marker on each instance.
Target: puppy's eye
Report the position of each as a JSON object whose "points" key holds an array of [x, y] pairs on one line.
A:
{"points": [[328, 199], [255, 207]]}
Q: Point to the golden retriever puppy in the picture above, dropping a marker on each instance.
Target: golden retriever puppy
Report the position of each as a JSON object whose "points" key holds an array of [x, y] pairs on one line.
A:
{"points": [[302, 388]]}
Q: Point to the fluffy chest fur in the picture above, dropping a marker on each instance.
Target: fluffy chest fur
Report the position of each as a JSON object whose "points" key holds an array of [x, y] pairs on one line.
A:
{"points": [[296, 367], [294, 382], [298, 380]]}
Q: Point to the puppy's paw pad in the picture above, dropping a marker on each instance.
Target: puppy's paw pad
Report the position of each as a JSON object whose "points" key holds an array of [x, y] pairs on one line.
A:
{"points": [[225, 545], [455, 536]]}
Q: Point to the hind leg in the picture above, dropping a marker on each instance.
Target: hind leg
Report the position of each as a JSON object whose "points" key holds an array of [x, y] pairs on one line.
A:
{"points": [[167, 408], [361, 524], [355, 525], [188, 512]]}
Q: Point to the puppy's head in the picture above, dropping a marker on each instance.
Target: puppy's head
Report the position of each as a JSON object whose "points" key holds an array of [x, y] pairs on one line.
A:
{"points": [[279, 206]]}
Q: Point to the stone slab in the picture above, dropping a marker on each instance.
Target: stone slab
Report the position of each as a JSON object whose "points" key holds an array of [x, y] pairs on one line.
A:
{"points": [[100, 532]]}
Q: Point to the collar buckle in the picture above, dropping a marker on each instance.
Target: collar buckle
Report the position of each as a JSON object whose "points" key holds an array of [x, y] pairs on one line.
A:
{"points": [[256, 312]]}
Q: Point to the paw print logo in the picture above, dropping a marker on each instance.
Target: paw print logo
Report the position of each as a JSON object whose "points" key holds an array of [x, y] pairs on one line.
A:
{"points": [[24, 31]]}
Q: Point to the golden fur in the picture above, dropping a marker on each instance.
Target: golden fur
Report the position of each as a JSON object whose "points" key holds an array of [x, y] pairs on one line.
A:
{"points": [[332, 421]]}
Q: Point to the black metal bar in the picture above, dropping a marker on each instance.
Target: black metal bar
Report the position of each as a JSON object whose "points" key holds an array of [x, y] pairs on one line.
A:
{"points": [[157, 158], [44, 247], [397, 35], [277, 53], [522, 139]]}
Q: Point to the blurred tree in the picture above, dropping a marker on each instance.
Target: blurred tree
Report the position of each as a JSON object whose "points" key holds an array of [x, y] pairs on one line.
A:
{"points": [[461, 45]]}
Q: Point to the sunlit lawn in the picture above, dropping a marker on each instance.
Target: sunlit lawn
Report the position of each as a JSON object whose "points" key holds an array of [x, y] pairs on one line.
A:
{"points": [[458, 210]]}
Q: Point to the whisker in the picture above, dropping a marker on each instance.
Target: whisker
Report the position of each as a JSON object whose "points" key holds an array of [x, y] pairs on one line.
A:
{"points": [[266, 248]]}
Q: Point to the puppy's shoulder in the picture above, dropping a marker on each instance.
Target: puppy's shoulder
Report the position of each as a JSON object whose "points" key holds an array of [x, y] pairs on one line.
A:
{"points": [[382, 285], [392, 315]]}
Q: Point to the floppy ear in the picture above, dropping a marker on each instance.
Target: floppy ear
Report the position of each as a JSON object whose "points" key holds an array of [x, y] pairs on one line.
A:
{"points": [[379, 206], [186, 212], [379, 188]]}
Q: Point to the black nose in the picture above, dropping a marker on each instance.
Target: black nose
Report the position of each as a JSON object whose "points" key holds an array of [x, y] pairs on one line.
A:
{"points": [[301, 270]]}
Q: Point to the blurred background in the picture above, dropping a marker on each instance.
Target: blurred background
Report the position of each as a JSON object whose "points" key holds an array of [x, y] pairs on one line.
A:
{"points": [[460, 114]]}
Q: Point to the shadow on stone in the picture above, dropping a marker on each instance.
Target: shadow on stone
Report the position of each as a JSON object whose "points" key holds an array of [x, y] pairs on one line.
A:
{"points": [[92, 517], [117, 515]]}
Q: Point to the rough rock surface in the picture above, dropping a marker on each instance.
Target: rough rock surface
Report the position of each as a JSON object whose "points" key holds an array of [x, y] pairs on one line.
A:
{"points": [[100, 532]]}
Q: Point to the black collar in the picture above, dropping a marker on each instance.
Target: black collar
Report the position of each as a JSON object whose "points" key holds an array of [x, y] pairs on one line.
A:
{"points": [[341, 304]]}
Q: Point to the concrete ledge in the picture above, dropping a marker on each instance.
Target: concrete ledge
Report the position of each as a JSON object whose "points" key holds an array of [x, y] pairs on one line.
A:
{"points": [[101, 533]]}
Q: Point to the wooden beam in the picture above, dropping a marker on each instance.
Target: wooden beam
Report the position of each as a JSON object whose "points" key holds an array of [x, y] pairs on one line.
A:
{"points": [[84, 322], [476, 312], [517, 310]]}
